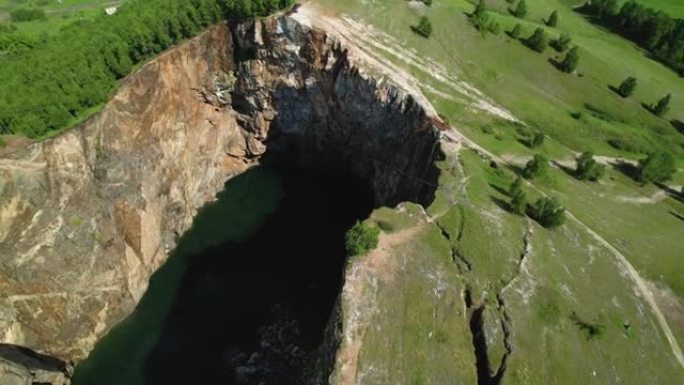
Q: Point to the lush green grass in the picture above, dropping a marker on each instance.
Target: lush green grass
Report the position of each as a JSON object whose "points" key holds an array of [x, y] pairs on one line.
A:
{"points": [[58, 14]]}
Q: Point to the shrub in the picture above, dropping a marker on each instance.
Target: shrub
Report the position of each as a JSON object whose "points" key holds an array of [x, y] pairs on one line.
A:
{"points": [[656, 167], [537, 139], [24, 14], [627, 87], [588, 168], [538, 166], [515, 187], [361, 238], [548, 212], [424, 27]]}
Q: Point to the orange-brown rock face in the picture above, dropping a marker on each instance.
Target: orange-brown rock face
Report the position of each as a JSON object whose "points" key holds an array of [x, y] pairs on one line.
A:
{"points": [[86, 217]]}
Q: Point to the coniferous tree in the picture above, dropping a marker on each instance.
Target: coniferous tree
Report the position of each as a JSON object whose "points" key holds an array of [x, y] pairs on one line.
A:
{"points": [[519, 203], [536, 167], [516, 31], [538, 41], [662, 106], [627, 87], [424, 27], [562, 43], [569, 63], [553, 19], [548, 212], [521, 10]]}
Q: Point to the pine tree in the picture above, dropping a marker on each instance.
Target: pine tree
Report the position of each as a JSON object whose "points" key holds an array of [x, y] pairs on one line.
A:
{"points": [[521, 10], [519, 203], [627, 87], [569, 64], [548, 212], [662, 106], [424, 27], [553, 19], [562, 43], [515, 187], [515, 32], [538, 41], [537, 139]]}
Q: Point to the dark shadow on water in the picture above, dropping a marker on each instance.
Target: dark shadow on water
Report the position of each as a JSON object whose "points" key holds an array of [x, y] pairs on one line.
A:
{"points": [[257, 310]]}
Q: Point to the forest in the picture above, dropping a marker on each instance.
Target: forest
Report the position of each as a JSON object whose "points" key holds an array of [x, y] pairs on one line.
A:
{"points": [[660, 34], [53, 82]]}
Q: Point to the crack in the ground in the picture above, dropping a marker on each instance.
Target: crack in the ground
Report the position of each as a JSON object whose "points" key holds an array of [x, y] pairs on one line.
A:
{"points": [[458, 259], [485, 373]]}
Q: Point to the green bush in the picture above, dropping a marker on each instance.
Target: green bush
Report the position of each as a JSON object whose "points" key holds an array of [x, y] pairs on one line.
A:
{"points": [[553, 19], [663, 105], [519, 202], [361, 238], [569, 63], [537, 167], [516, 31], [562, 43], [25, 14], [548, 212], [424, 27], [656, 167], [521, 10], [588, 168]]}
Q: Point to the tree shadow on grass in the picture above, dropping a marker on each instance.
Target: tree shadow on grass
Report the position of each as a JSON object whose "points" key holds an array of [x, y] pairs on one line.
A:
{"points": [[616, 90], [672, 193], [501, 203], [568, 170], [676, 215], [678, 125], [647, 107], [500, 189], [627, 169]]}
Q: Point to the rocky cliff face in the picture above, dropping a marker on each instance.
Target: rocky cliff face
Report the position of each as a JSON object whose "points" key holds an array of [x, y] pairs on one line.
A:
{"points": [[86, 217]]}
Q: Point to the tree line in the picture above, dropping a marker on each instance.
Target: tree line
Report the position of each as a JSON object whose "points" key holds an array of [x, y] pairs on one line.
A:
{"points": [[55, 81], [656, 31]]}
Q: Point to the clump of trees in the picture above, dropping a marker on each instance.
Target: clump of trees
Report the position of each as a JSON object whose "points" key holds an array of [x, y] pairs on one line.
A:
{"points": [[627, 87], [27, 14], [588, 168], [361, 238], [424, 27], [656, 167], [571, 60], [536, 167], [480, 19], [520, 10], [656, 31], [548, 212], [48, 86], [538, 41]]}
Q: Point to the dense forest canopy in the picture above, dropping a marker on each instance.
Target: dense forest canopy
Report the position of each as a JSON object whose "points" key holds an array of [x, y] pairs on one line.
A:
{"points": [[656, 31], [48, 83]]}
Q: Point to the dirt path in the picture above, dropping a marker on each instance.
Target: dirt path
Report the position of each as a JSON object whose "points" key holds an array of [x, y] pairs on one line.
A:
{"points": [[358, 303]]}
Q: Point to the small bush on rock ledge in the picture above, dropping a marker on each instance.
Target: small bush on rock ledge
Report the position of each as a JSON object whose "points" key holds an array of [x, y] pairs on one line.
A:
{"points": [[361, 238]]}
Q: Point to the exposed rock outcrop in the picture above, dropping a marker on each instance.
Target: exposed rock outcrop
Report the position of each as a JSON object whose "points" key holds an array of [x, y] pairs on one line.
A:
{"points": [[86, 217]]}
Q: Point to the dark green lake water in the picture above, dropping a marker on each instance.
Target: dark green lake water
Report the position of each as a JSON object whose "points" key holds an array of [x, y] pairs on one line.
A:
{"points": [[269, 251]]}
